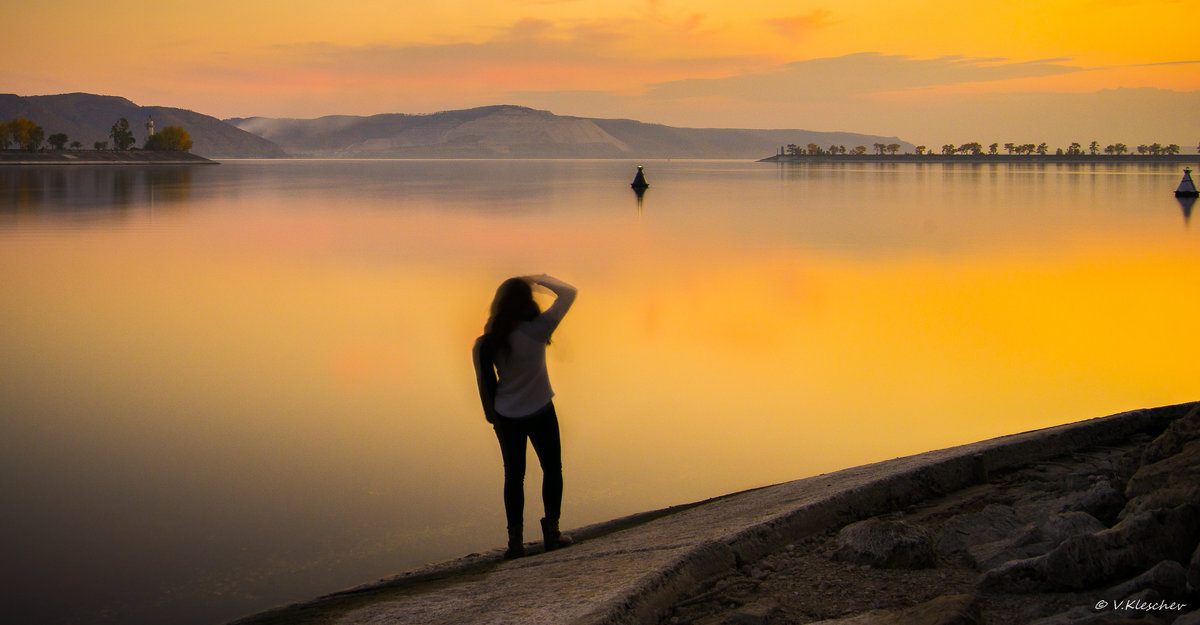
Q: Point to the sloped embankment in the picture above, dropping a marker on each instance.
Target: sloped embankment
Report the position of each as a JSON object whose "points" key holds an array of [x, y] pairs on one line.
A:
{"points": [[1105, 534]]}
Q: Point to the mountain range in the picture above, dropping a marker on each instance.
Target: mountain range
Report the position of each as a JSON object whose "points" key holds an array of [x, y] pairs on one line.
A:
{"points": [[505, 131], [500, 131]]}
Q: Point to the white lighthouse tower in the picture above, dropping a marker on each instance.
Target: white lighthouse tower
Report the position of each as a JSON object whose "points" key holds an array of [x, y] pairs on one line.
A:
{"points": [[149, 126]]}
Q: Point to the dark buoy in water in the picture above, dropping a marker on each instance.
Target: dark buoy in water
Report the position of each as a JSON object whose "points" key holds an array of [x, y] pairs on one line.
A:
{"points": [[1187, 188], [639, 181], [640, 185]]}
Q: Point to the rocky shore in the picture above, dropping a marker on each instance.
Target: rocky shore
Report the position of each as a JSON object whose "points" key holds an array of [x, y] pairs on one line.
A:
{"points": [[1094, 522], [1106, 535]]}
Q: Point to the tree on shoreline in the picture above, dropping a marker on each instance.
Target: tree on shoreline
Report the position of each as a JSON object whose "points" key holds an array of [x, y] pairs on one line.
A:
{"points": [[58, 140], [26, 134], [169, 139], [121, 135], [974, 148]]}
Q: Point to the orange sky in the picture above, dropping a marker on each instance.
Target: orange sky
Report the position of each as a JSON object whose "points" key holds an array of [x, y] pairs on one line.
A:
{"points": [[925, 70]]}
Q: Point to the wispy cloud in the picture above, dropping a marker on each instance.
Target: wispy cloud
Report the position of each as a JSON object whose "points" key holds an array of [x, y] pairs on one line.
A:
{"points": [[856, 75], [529, 54], [1168, 63], [799, 26]]}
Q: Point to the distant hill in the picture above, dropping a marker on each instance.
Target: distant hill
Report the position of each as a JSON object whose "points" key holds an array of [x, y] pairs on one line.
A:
{"points": [[87, 118], [514, 131]]}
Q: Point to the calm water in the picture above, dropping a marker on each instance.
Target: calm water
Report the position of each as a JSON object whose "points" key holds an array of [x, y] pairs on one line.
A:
{"points": [[225, 388]]}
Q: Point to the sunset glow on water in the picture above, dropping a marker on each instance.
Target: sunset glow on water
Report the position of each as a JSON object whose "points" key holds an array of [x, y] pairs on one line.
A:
{"points": [[236, 386]]}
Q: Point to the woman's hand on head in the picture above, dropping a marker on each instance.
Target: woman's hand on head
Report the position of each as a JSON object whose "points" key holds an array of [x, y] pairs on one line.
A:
{"points": [[539, 279]]}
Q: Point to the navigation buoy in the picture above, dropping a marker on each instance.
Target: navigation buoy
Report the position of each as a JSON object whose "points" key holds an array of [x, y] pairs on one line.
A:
{"points": [[639, 181], [1187, 188]]}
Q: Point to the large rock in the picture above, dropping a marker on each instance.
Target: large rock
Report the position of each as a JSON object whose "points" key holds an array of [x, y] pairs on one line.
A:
{"points": [[1033, 540], [1193, 572], [988, 556], [886, 544], [1191, 618], [1085, 616], [1177, 435], [754, 613], [1167, 482], [1066, 525], [1152, 536], [1076, 564], [1101, 499], [1168, 579], [944, 610], [1134, 545], [961, 531]]}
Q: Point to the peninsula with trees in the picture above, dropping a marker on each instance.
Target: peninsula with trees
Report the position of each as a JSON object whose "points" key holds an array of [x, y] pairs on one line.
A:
{"points": [[170, 146], [85, 121], [975, 152]]}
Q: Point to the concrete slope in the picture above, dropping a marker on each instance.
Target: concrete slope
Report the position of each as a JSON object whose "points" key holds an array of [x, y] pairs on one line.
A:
{"points": [[631, 571]]}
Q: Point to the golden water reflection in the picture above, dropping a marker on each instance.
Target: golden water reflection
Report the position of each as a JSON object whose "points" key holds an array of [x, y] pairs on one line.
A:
{"points": [[281, 388], [33, 188], [779, 364]]}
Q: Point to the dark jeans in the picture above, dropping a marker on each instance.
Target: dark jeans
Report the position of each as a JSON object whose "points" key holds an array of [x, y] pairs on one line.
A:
{"points": [[541, 429]]}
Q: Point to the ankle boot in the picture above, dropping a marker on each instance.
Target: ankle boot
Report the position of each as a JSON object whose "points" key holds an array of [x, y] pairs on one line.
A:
{"points": [[552, 538], [516, 544]]}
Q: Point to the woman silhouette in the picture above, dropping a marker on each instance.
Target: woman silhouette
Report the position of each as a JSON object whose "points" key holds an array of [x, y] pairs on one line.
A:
{"points": [[514, 386]]}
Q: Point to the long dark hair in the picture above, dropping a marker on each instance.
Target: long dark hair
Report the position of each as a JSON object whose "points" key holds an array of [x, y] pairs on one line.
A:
{"points": [[512, 305]]}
